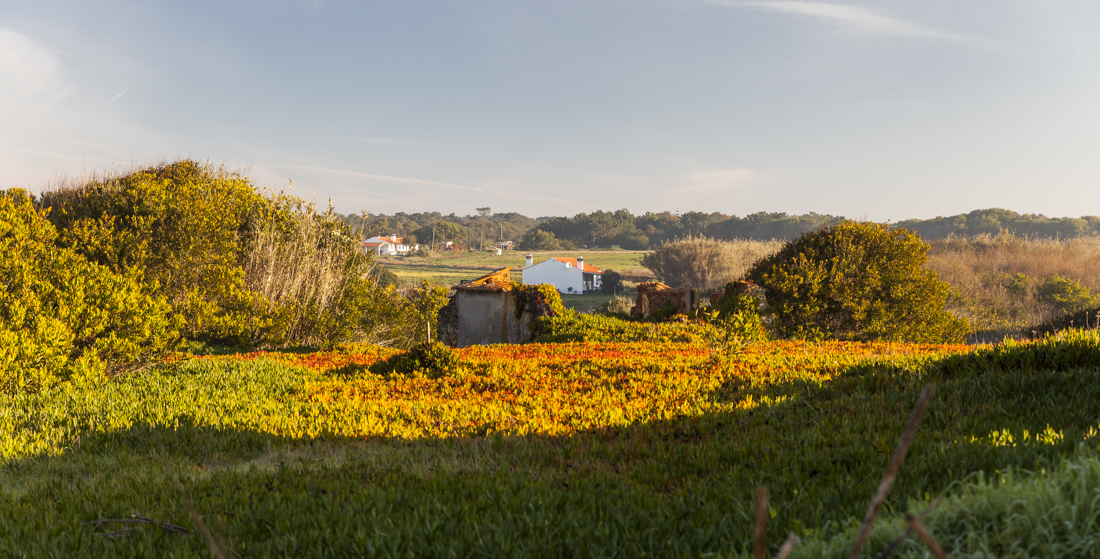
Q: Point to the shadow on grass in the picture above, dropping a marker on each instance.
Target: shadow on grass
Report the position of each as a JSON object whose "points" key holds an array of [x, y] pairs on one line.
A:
{"points": [[676, 487]]}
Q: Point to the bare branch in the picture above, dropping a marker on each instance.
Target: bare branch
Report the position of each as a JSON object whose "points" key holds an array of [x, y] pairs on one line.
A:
{"points": [[892, 470]]}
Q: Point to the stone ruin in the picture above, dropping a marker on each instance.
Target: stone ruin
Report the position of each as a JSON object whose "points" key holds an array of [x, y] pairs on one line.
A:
{"points": [[482, 312], [653, 295], [738, 287]]}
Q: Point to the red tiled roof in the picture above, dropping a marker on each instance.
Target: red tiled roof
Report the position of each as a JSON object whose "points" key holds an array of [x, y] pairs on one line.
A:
{"points": [[587, 267], [386, 240]]}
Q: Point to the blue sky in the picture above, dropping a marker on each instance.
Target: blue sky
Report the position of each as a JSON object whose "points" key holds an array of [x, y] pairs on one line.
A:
{"points": [[883, 110]]}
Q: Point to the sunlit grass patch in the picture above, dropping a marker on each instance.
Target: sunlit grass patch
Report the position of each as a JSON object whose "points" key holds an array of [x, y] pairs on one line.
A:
{"points": [[580, 449]]}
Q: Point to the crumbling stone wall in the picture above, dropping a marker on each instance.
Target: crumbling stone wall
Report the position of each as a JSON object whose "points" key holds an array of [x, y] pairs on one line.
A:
{"points": [[737, 287], [447, 325], [653, 295]]}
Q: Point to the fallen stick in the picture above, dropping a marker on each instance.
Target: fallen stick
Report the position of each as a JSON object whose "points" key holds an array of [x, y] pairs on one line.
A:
{"points": [[139, 519], [925, 536], [215, 549], [892, 470], [123, 533], [788, 547], [106, 520], [908, 531], [760, 535]]}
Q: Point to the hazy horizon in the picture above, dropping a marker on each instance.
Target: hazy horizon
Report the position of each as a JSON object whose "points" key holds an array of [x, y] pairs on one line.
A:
{"points": [[879, 110]]}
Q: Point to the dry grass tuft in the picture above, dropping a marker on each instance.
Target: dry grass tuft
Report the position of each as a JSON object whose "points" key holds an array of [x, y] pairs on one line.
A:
{"points": [[704, 263], [984, 272]]}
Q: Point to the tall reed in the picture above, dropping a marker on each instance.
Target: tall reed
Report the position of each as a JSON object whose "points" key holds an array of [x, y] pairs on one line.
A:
{"points": [[998, 279]]}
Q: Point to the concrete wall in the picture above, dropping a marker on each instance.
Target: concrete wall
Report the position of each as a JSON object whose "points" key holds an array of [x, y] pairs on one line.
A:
{"points": [[489, 318]]}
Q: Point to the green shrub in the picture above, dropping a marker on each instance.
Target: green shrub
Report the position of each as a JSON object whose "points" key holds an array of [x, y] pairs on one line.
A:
{"points": [[62, 316], [434, 359], [238, 267], [857, 281], [572, 326], [537, 239], [179, 227], [537, 300], [1064, 294], [618, 306], [611, 283], [739, 312]]}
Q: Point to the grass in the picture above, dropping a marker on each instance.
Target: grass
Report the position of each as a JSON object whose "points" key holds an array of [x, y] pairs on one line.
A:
{"points": [[451, 268], [585, 303], [557, 450]]}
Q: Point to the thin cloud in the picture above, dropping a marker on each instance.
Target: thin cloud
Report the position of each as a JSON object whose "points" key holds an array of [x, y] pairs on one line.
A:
{"points": [[718, 179], [27, 69], [115, 98], [389, 141], [858, 18], [383, 177]]}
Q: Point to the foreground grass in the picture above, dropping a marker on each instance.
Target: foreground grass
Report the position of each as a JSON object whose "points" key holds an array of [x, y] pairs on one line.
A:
{"points": [[549, 450]]}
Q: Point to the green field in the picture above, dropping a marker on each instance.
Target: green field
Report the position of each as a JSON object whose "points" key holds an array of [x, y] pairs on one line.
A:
{"points": [[451, 268]]}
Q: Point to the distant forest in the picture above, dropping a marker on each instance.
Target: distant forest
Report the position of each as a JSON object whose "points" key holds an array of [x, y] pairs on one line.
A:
{"points": [[639, 232]]}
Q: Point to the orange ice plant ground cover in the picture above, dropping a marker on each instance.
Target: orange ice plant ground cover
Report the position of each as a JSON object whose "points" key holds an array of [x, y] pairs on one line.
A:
{"points": [[557, 389]]}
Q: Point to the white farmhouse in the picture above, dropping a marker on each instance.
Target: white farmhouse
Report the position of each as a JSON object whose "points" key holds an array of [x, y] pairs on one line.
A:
{"points": [[567, 275], [387, 246]]}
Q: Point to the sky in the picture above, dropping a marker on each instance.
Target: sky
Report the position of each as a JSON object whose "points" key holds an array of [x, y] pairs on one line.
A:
{"points": [[883, 110]]}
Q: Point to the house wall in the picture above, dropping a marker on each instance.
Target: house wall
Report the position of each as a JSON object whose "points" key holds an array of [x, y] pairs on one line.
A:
{"points": [[555, 272], [489, 318]]}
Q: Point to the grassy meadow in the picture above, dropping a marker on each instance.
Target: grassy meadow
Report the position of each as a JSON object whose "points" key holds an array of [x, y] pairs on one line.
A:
{"points": [[559, 450], [445, 268]]}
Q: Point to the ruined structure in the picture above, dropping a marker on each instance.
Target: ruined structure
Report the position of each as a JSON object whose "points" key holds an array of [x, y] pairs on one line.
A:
{"points": [[737, 287], [653, 295], [483, 311]]}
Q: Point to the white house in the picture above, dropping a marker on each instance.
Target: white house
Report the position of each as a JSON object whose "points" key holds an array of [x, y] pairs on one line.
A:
{"points": [[567, 275], [387, 246]]}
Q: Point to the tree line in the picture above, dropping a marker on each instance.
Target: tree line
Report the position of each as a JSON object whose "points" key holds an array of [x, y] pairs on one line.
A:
{"points": [[622, 229]]}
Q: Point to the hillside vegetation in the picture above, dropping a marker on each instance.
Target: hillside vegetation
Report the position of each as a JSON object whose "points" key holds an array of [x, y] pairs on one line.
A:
{"points": [[190, 366], [620, 228]]}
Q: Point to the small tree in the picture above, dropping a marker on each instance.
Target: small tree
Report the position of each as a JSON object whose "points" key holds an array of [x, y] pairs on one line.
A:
{"points": [[537, 239], [611, 283], [857, 281]]}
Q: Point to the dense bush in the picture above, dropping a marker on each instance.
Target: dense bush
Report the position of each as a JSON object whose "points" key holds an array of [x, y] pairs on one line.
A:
{"points": [[178, 227], [857, 281], [537, 300], [238, 266], [62, 316], [739, 312], [611, 283], [1064, 294], [537, 239], [433, 359]]}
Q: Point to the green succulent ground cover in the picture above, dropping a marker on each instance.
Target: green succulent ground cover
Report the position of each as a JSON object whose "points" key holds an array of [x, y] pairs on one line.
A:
{"points": [[268, 482]]}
